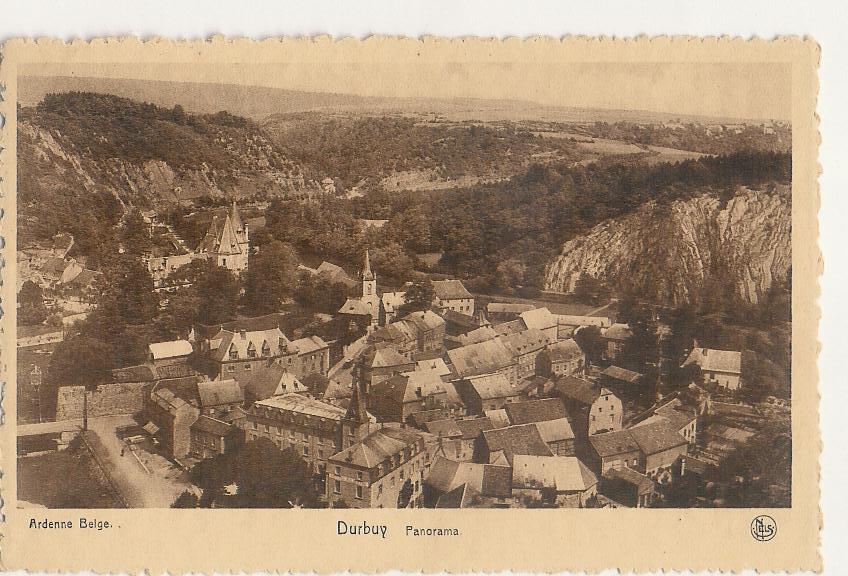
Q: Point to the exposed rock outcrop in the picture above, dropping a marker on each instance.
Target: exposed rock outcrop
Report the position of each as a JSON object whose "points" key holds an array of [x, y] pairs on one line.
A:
{"points": [[672, 252]]}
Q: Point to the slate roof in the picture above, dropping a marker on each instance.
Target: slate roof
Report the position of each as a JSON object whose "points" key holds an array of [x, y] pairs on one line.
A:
{"points": [[713, 360], [424, 320], [498, 418], [212, 426], [174, 371], [378, 446], [170, 349], [535, 411], [271, 380], [220, 238], [613, 443], [526, 342], [226, 340], [539, 318], [562, 473], [437, 364], [577, 389], [485, 479], [480, 358], [674, 413], [523, 439], [219, 392], [632, 477], [450, 290], [564, 350], [355, 306], [396, 333], [622, 374], [464, 428], [383, 358], [508, 308], [168, 401], [141, 373], [481, 334], [309, 344], [301, 404], [409, 386], [490, 386], [555, 430], [573, 320], [459, 497], [458, 318]]}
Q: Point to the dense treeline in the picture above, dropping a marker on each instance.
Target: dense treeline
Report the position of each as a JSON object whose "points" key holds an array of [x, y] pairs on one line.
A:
{"points": [[372, 147], [501, 236]]}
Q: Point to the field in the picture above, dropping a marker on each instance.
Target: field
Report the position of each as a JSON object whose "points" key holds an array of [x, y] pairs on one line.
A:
{"points": [[68, 479]]}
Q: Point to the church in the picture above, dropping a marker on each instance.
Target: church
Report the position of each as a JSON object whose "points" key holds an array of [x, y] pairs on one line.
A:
{"points": [[367, 305], [227, 242]]}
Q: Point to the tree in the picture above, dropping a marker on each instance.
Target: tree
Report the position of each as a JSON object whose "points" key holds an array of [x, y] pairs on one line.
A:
{"points": [[31, 299], [591, 343], [419, 296], [590, 290], [186, 500], [80, 361], [392, 263], [131, 285], [268, 477], [218, 290], [135, 233], [270, 278], [181, 313]]}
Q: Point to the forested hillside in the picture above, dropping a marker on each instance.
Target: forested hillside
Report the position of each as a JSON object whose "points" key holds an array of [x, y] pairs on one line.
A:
{"points": [[83, 156]]}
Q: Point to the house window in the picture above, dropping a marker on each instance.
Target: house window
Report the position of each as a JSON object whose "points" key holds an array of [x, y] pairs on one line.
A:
{"points": [[231, 368], [359, 492], [306, 451], [291, 435], [247, 367], [338, 470], [337, 487], [321, 454], [359, 475], [233, 353], [379, 489]]}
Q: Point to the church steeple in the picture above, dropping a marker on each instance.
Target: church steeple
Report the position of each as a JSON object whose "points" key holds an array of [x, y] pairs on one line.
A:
{"points": [[367, 275]]}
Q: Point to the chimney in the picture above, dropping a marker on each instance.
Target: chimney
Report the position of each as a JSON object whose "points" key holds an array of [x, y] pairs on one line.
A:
{"points": [[243, 333]]}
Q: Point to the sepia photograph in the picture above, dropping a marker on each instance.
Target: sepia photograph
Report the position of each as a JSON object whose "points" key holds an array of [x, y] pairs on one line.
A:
{"points": [[313, 295]]}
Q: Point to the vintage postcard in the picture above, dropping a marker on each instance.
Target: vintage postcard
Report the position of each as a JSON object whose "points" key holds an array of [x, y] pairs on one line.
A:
{"points": [[463, 305]]}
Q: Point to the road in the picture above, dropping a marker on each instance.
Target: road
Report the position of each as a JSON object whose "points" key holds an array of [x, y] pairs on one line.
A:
{"points": [[139, 489], [156, 487]]}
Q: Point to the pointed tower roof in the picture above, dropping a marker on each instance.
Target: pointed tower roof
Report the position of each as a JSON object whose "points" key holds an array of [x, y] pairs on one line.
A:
{"points": [[235, 217], [228, 241], [366, 270], [357, 410]]}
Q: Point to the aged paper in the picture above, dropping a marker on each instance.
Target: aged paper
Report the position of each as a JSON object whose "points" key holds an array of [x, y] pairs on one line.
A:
{"points": [[463, 305]]}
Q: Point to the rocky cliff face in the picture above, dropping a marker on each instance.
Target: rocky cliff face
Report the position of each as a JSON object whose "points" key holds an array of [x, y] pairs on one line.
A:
{"points": [[673, 252]]}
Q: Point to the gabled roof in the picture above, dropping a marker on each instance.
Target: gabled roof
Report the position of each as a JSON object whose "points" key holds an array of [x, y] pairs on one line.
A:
{"points": [[561, 473], [572, 320], [398, 332], [302, 405], [221, 238], [383, 358], [170, 349], [211, 425], [539, 318], [477, 335], [577, 389], [613, 443], [657, 437], [459, 497], [437, 364], [523, 439], [272, 380], [219, 392], [141, 373], [459, 319], [378, 446], [712, 360], [485, 479], [450, 290], [555, 430], [564, 350], [499, 418], [526, 342], [309, 344], [622, 374], [642, 483], [169, 401], [409, 386], [225, 340], [508, 308], [490, 386], [356, 307], [481, 358], [464, 428], [675, 413], [424, 320], [535, 411]]}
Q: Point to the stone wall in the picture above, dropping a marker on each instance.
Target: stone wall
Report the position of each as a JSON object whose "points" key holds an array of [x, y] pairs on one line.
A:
{"points": [[108, 400]]}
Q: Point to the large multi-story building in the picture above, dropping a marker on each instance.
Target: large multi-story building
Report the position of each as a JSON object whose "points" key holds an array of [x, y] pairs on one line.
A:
{"points": [[452, 295], [227, 242]]}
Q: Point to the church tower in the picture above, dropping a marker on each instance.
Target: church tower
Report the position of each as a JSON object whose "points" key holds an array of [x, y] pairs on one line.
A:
{"points": [[369, 290], [356, 424]]}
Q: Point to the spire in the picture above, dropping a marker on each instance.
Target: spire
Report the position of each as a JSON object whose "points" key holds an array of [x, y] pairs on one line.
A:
{"points": [[357, 410], [366, 270], [235, 217]]}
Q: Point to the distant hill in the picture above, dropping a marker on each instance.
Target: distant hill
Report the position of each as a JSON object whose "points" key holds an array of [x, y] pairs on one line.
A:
{"points": [[258, 102]]}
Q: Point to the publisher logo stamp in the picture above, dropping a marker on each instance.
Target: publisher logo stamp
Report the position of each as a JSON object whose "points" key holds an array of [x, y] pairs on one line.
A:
{"points": [[763, 528]]}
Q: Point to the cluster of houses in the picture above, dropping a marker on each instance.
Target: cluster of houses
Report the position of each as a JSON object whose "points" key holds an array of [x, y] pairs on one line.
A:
{"points": [[496, 409]]}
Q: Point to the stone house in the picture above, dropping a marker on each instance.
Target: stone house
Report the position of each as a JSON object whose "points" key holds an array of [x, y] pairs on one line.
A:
{"points": [[719, 367], [452, 295]]}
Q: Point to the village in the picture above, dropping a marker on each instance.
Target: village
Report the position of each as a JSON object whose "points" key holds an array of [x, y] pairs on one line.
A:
{"points": [[423, 396]]}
